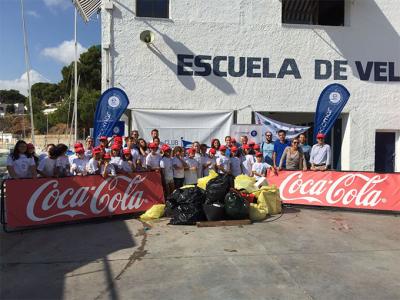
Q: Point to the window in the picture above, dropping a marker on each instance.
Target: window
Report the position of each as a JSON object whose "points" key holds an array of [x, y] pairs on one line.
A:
{"points": [[313, 12], [152, 8]]}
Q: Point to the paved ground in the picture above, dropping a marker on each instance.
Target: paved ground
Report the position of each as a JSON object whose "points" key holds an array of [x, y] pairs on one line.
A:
{"points": [[307, 254]]}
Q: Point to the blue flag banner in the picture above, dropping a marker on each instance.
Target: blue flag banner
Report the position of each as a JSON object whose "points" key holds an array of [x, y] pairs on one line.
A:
{"points": [[330, 104], [186, 144], [119, 129], [109, 109]]}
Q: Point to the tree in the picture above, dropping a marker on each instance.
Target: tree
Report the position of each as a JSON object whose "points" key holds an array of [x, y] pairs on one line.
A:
{"points": [[47, 92], [11, 97]]}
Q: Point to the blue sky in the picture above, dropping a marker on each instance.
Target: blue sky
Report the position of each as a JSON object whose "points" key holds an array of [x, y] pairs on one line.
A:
{"points": [[50, 31]]}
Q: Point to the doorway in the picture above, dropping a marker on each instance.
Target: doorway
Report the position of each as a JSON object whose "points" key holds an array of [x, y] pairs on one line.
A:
{"points": [[385, 151]]}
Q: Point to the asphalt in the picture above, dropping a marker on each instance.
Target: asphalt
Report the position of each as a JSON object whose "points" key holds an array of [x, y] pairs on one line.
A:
{"points": [[305, 254]]}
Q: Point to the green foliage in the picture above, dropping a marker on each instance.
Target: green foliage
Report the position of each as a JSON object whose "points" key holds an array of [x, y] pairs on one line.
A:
{"points": [[47, 92], [11, 97]]}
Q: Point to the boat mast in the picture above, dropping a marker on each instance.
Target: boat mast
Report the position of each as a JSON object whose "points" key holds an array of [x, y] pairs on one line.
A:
{"points": [[75, 82]]}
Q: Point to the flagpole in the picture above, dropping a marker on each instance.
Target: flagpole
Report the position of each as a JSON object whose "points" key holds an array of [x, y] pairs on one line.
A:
{"points": [[28, 69], [76, 82]]}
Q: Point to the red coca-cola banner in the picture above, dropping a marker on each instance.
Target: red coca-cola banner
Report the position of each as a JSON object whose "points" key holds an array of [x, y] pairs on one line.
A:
{"points": [[364, 190], [53, 200]]}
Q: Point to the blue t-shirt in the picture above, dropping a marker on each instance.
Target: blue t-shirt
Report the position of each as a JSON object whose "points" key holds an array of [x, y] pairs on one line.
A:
{"points": [[278, 149], [267, 150]]}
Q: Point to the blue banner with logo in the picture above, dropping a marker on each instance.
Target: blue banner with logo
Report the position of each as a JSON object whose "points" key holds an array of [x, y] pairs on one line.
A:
{"points": [[330, 104], [119, 129], [109, 109]]}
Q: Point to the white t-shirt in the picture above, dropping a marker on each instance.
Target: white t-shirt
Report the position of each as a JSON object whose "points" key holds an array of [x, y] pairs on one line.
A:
{"points": [[247, 164], [225, 163], [178, 173], [71, 158], [116, 161], [236, 166], [126, 166], [47, 166], [21, 165], [213, 161], [63, 163], [88, 154], [153, 161], [191, 175], [79, 166], [42, 156], [166, 165], [110, 170], [135, 154], [92, 166], [260, 168]]}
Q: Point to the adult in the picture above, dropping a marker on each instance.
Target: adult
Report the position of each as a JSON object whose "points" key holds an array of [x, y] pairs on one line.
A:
{"points": [[320, 156], [154, 134], [305, 147], [280, 146], [143, 152], [228, 141], [47, 166], [243, 141], [89, 147], [267, 148], [20, 164], [294, 157], [215, 144], [43, 155], [135, 134]]}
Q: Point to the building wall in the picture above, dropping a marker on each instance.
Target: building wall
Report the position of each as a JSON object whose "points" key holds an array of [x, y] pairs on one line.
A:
{"points": [[244, 28]]}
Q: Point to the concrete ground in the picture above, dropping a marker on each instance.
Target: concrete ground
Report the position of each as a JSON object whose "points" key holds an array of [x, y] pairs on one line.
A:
{"points": [[305, 254]]}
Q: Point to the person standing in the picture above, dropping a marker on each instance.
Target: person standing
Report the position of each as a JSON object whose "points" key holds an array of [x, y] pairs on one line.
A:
{"points": [[280, 146], [320, 156], [223, 162], [267, 148], [178, 165], [305, 148], [294, 157], [20, 164]]}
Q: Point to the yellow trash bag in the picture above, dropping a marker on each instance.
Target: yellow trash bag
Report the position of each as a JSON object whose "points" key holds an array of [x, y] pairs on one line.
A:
{"points": [[270, 197], [257, 212], [202, 182], [155, 212], [244, 182]]}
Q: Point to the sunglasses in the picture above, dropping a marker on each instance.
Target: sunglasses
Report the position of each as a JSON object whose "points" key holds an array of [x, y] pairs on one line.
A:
{"points": [[295, 142], [268, 135]]}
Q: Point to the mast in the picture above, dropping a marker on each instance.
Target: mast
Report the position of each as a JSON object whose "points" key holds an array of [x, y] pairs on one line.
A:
{"points": [[28, 69], [75, 82]]}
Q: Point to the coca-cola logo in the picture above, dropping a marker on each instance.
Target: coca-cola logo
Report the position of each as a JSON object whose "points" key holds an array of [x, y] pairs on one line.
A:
{"points": [[341, 190], [50, 201]]}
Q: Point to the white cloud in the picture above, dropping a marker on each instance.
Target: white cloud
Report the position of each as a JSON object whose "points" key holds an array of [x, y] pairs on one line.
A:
{"points": [[54, 4], [64, 53], [32, 13], [21, 84]]}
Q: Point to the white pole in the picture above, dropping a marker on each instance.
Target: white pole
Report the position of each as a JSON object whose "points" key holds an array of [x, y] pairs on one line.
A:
{"points": [[76, 82], [28, 68]]}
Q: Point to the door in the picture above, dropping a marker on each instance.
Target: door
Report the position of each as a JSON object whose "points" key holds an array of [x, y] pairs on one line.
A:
{"points": [[384, 151]]}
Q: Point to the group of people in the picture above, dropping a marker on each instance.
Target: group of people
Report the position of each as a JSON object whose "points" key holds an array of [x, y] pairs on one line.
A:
{"points": [[178, 166]]}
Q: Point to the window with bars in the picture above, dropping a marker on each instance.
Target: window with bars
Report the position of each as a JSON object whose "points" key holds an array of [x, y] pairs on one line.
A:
{"points": [[313, 12], [152, 8]]}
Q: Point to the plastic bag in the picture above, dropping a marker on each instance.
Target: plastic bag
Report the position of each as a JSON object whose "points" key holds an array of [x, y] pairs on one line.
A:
{"points": [[236, 207], [217, 188], [186, 206], [214, 212], [247, 183], [202, 182], [257, 212], [155, 212], [269, 196]]}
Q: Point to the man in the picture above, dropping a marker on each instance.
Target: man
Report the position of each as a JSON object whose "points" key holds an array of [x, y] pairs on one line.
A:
{"points": [[320, 156], [305, 147], [267, 148], [154, 134], [280, 146], [228, 141]]}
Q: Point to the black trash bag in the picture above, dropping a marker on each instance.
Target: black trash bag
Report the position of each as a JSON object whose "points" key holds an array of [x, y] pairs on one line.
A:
{"points": [[187, 206], [172, 202], [217, 188], [236, 207], [214, 212]]}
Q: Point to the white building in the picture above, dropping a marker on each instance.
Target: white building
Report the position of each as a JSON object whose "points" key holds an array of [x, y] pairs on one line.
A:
{"points": [[194, 64]]}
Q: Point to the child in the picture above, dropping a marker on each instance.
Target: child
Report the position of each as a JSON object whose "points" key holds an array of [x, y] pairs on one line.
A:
{"points": [[167, 170], [73, 156], [93, 167], [103, 143], [47, 166], [260, 168], [115, 156], [127, 164], [191, 168], [79, 164], [236, 162], [247, 160], [178, 165], [203, 161], [62, 163], [106, 168], [19, 163], [130, 144], [223, 162], [210, 163], [154, 158], [31, 151]]}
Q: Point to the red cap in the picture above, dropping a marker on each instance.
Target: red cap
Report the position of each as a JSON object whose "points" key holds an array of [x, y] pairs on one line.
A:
{"points": [[152, 146], [79, 150], [192, 151], [233, 140], [118, 138], [246, 146], [234, 149], [320, 136], [256, 147], [103, 138], [127, 151], [107, 156], [115, 147], [258, 154], [78, 145], [252, 143], [165, 148], [30, 146], [212, 151], [222, 148], [96, 150]]}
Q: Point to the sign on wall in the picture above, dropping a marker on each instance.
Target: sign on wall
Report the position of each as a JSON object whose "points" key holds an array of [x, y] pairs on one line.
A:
{"points": [[253, 132]]}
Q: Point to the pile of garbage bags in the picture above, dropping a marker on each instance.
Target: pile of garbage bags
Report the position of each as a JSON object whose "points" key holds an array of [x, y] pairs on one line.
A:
{"points": [[218, 197]]}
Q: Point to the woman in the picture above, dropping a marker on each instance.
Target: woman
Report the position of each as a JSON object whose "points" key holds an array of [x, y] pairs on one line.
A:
{"points": [[215, 144], [294, 157], [20, 164], [31, 152], [47, 166], [89, 147], [143, 152]]}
